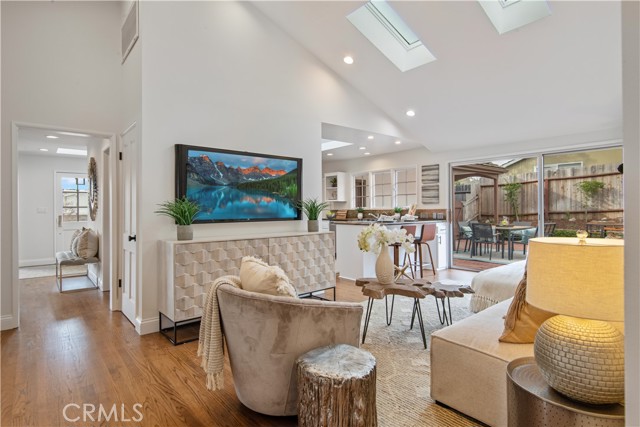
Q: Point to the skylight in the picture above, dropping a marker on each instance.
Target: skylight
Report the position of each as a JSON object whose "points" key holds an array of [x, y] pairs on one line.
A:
{"points": [[330, 145], [507, 15], [71, 151], [382, 25]]}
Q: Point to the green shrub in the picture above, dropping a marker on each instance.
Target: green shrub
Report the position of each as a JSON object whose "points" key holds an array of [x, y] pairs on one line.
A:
{"points": [[564, 233]]}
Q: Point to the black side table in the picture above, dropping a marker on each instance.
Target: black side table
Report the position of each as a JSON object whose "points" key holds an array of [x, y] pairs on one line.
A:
{"points": [[533, 403]]}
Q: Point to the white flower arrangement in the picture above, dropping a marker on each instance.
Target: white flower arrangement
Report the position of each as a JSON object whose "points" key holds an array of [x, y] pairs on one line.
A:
{"points": [[374, 236]]}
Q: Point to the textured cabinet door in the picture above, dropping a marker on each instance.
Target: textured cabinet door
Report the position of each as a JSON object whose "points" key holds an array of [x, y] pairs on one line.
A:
{"points": [[307, 260], [197, 265]]}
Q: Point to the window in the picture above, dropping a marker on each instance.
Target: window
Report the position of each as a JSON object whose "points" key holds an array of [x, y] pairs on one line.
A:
{"points": [[75, 199], [361, 190], [405, 187], [382, 194]]}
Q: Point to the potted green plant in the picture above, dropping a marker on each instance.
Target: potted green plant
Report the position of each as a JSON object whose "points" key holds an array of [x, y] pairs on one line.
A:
{"points": [[397, 212], [360, 212], [312, 208], [183, 211]]}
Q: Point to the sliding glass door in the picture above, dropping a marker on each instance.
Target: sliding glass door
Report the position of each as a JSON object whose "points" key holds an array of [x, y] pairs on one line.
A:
{"points": [[551, 194]]}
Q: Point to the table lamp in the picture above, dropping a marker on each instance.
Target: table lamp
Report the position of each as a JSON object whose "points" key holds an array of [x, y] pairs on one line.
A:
{"points": [[578, 353]]}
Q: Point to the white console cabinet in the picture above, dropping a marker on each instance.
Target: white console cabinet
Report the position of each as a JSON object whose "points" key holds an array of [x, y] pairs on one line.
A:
{"points": [[191, 266]]}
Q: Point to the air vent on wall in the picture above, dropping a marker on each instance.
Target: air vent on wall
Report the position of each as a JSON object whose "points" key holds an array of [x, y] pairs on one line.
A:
{"points": [[129, 32]]}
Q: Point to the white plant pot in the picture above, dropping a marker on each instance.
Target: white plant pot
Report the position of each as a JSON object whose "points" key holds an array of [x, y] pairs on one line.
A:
{"points": [[360, 215]]}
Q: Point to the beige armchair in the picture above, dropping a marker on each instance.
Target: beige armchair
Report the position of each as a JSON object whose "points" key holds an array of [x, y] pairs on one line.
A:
{"points": [[265, 335]]}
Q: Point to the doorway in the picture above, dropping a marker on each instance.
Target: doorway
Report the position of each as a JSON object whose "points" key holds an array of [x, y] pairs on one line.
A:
{"points": [[549, 194], [35, 205], [71, 206]]}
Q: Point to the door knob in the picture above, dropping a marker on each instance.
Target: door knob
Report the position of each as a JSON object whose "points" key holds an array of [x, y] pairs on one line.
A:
{"points": [[132, 238]]}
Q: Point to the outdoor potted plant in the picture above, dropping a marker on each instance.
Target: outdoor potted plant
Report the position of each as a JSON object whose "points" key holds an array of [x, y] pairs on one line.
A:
{"points": [[183, 211], [312, 208], [360, 212]]}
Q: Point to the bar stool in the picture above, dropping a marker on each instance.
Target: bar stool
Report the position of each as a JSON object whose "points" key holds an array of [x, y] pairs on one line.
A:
{"points": [[428, 234], [400, 269]]}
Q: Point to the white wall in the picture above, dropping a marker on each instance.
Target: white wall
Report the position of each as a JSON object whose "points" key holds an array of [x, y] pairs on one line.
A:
{"points": [[60, 67], [36, 184], [631, 113], [225, 76]]}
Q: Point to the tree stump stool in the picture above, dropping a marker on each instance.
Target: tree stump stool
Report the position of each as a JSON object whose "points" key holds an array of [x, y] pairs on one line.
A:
{"points": [[337, 387]]}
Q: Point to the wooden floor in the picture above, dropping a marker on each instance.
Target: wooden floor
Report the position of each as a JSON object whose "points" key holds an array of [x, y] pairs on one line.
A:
{"points": [[71, 350]]}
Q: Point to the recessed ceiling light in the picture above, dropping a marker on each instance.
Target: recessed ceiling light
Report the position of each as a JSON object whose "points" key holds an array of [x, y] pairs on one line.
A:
{"points": [[71, 151], [52, 137], [329, 154], [410, 113], [74, 134], [363, 148], [370, 137], [398, 142], [367, 153], [44, 149], [348, 60]]}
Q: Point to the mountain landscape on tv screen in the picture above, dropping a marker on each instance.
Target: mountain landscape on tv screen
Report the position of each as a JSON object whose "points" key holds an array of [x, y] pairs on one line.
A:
{"points": [[202, 170]]}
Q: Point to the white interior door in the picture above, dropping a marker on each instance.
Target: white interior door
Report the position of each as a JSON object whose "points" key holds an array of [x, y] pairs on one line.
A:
{"points": [[72, 206], [129, 238]]}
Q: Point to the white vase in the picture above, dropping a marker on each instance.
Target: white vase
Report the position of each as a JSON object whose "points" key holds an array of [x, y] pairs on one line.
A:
{"points": [[384, 267], [360, 215]]}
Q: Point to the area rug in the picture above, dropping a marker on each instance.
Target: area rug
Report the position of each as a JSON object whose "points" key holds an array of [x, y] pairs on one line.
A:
{"points": [[403, 365], [50, 270]]}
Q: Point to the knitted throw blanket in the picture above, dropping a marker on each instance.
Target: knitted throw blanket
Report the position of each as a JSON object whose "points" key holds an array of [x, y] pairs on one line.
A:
{"points": [[210, 346]]}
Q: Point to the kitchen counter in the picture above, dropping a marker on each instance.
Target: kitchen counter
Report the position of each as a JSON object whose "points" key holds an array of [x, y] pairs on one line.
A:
{"points": [[367, 222], [352, 263]]}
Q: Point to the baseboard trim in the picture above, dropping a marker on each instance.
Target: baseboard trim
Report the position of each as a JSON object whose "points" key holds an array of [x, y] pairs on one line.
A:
{"points": [[8, 322], [148, 326], [36, 262]]}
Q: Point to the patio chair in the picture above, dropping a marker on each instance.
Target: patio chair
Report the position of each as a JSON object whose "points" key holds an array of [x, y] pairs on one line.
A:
{"points": [[464, 233], [549, 228], [483, 235], [526, 236]]}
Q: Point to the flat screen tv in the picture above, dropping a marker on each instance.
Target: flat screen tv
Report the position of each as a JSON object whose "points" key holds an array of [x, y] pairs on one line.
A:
{"points": [[237, 185]]}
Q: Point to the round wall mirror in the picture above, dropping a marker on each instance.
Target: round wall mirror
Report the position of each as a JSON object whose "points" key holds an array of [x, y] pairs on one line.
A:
{"points": [[93, 188]]}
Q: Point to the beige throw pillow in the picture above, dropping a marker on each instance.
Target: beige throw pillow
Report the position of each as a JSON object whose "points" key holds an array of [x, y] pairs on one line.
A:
{"points": [[522, 320], [87, 244], [258, 276], [74, 240]]}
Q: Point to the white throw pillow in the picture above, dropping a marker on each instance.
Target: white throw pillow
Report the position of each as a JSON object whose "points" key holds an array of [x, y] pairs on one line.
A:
{"points": [[74, 240], [87, 244], [258, 276]]}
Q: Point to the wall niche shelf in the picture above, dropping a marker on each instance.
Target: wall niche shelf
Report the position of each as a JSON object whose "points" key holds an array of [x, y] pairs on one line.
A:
{"points": [[334, 187]]}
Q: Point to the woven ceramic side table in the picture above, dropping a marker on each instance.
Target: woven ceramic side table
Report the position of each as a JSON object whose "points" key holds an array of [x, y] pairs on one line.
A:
{"points": [[533, 403]]}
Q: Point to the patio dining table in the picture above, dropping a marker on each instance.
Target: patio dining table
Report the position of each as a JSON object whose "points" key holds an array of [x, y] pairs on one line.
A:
{"points": [[508, 230]]}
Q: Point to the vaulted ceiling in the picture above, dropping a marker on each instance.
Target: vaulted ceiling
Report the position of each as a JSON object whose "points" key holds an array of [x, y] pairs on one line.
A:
{"points": [[557, 76]]}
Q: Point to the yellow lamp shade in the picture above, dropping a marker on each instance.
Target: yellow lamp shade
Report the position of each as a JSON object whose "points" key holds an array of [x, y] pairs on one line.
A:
{"points": [[580, 280]]}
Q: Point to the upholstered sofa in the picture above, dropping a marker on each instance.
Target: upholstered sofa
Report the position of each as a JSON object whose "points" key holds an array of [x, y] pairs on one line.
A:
{"points": [[265, 335], [469, 365]]}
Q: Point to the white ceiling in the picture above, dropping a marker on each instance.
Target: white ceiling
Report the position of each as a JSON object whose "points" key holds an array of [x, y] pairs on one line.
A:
{"points": [[32, 139], [557, 76]]}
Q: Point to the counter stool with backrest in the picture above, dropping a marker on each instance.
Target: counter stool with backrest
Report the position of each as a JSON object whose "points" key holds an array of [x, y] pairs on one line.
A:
{"points": [[411, 229], [428, 234]]}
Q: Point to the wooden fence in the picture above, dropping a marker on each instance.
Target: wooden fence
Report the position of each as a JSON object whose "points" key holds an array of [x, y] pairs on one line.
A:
{"points": [[563, 201]]}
